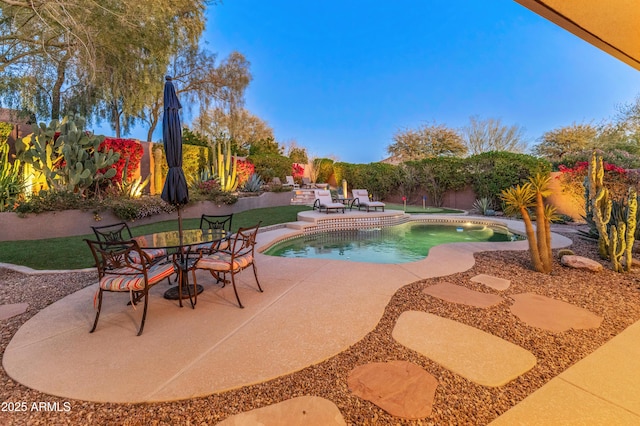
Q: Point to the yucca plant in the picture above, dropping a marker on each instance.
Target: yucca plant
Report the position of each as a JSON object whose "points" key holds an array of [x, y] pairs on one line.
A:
{"points": [[518, 200]]}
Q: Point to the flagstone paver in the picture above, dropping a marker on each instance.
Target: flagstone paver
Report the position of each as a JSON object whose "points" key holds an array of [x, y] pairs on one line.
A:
{"points": [[491, 281], [301, 411], [551, 314], [472, 353], [462, 295], [401, 388], [8, 311]]}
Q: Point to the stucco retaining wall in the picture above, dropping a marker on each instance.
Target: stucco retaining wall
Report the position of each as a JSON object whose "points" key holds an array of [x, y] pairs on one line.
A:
{"points": [[77, 222]]}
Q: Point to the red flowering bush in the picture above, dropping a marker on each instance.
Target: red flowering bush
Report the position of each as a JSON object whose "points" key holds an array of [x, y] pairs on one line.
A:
{"points": [[244, 171], [128, 149], [616, 179], [297, 171]]}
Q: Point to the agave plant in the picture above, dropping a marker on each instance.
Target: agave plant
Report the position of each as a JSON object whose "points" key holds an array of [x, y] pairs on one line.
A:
{"points": [[253, 184], [483, 205], [134, 188]]}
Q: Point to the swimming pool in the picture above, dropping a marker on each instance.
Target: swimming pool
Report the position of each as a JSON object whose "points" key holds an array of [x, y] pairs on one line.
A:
{"points": [[408, 242]]}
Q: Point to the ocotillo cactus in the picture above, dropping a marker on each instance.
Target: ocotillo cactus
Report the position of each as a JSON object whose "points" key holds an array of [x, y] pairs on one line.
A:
{"points": [[226, 168]]}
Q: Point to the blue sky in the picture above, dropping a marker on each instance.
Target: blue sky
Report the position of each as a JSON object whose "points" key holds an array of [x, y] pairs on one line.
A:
{"points": [[341, 77]]}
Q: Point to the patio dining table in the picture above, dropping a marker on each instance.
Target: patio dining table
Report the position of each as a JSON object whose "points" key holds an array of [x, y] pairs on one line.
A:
{"points": [[191, 238]]}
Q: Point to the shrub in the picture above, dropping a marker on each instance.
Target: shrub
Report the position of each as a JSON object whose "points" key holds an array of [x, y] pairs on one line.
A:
{"points": [[441, 174], [492, 172], [616, 179], [130, 155], [52, 200], [268, 166], [245, 170], [195, 160], [378, 178], [323, 169], [135, 209], [614, 156]]}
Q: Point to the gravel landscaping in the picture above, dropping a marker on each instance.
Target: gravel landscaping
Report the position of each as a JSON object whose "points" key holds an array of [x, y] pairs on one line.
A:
{"points": [[613, 296]]}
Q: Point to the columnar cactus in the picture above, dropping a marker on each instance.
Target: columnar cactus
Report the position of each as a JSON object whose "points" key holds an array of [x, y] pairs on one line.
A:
{"points": [[632, 210], [226, 168], [617, 245], [599, 203]]}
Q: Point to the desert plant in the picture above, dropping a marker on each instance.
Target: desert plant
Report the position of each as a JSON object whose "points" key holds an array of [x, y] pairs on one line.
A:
{"points": [[226, 167], [483, 205], [68, 156], [518, 200], [622, 232], [253, 184], [133, 189], [11, 180], [565, 252]]}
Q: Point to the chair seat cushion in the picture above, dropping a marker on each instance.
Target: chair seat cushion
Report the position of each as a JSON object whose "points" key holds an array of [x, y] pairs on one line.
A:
{"points": [[372, 203], [115, 282], [332, 206], [152, 253], [222, 262], [218, 245]]}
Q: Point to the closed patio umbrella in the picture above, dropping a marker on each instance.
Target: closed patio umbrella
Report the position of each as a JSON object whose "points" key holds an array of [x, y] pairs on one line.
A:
{"points": [[175, 189]]}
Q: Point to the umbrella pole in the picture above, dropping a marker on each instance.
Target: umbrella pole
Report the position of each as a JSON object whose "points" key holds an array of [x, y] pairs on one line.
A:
{"points": [[180, 227]]}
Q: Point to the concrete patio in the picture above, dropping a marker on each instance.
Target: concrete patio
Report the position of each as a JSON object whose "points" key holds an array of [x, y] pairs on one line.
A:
{"points": [[310, 311]]}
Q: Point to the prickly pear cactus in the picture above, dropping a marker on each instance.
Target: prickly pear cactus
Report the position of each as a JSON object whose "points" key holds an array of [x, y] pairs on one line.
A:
{"points": [[70, 161], [42, 151]]}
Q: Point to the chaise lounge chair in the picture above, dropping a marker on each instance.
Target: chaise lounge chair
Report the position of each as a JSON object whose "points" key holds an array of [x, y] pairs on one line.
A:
{"points": [[361, 199], [292, 183], [324, 202]]}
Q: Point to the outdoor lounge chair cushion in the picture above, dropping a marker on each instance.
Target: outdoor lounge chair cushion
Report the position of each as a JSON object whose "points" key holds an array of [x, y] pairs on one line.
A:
{"points": [[362, 197], [115, 282], [324, 201], [222, 262]]}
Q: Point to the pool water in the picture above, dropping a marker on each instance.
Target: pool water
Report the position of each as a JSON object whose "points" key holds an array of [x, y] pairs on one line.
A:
{"points": [[408, 242]]}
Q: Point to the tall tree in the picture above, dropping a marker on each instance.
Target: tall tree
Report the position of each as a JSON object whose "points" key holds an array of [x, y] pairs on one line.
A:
{"points": [[556, 143], [244, 129], [297, 154], [484, 135], [425, 142], [112, 51]]}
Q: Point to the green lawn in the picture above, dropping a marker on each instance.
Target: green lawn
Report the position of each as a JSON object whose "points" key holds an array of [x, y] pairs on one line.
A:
{"points": [[419, 209], [73, 252]]}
